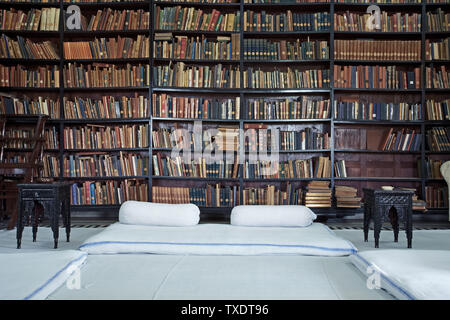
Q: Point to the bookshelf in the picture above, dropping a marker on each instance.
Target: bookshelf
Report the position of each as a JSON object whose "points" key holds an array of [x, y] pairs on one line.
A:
{"points": [[235, 66]]}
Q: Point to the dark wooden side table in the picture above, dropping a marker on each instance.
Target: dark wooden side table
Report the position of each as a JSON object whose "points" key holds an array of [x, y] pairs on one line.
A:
{"points": [[377, 206], [55, 199]]}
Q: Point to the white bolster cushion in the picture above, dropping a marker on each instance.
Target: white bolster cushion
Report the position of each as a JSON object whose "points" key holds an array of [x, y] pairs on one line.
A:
{"points": [[272, 216], [159, 214]]}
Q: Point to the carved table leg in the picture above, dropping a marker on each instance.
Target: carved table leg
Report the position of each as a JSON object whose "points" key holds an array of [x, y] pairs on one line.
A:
{"points": [[366, 221], [66, 216], [20, 223], [35, 220], [393, 216], [377, 222], [54, 220], [408, 226]]}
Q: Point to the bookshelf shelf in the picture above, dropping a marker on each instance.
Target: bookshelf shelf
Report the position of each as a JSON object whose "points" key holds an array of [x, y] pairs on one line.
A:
{"points": [[112, 33], [101, 4], [286, 120], [105, 121], [395, 179], [195, 179], [119, 61], [379, 62], [28, 61], [105, 178], [105, 150], [193, 61], [375, 151], [194, 119], [195, 4], [313, 61], [332, 93], [377, 122]]}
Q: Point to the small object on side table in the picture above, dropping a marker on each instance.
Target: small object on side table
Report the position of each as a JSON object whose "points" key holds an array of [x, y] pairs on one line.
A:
{"points": [[377, 206], [55, 200]]}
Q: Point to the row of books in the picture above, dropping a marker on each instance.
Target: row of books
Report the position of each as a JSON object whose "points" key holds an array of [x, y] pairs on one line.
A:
{"points": [[35, 77], [355, 110], [291, 78], [438, 21], [438, 139], [376, 77], [111, 48], [44, 19], [403, 139], [405, 50], [168, 106], [340, 169], [51, 136], [271, 195], [20, 138], [316, 167], [30, 106], [261, 137], [389, 22], [432, 168], [182, 75], [286, 21], [437, 110], [437, 50], [199, 168], [108, 107], [184, 18], [196, 48], [436, 197], [209, 196], [437, 78], [105, 75], [27, 49], [264, 49], [105, 165], [50, 166], [115, 20], [94, 136], [304, 107], [108, 192]]}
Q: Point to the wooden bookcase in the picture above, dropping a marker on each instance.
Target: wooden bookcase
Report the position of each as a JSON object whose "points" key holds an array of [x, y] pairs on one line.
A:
{"points": [[365, 167]]}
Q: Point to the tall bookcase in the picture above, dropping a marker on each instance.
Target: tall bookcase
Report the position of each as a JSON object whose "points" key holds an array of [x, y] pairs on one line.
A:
{"points": [[371, 168]]}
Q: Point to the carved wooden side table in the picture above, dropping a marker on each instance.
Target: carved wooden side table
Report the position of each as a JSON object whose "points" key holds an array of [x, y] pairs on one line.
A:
{"points": [[377, 206], [55, 199]]}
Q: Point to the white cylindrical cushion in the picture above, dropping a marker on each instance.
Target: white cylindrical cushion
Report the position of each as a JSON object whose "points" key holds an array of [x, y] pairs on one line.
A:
{"points": [[159, 214], [272, 216]]}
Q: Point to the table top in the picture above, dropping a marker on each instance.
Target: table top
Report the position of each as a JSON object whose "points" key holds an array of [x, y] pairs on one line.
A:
{"points": [[398, 191]]}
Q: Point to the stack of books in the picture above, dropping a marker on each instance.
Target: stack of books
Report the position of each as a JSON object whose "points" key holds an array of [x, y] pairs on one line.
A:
{"points": [[318, 194], [346, 197], [418, 205]]}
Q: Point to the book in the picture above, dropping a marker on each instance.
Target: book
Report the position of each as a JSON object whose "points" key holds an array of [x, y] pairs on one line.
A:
{"points": [[108, 48], [108, 192], [287, 108], [349, 108], [98, 75], [171, 106], [105, 137], [29, 106]]}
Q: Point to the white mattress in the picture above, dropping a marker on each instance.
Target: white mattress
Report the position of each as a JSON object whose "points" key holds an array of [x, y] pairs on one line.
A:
{"points": [[194, 277], [218, 239], [409, 274], [33, 276]]}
